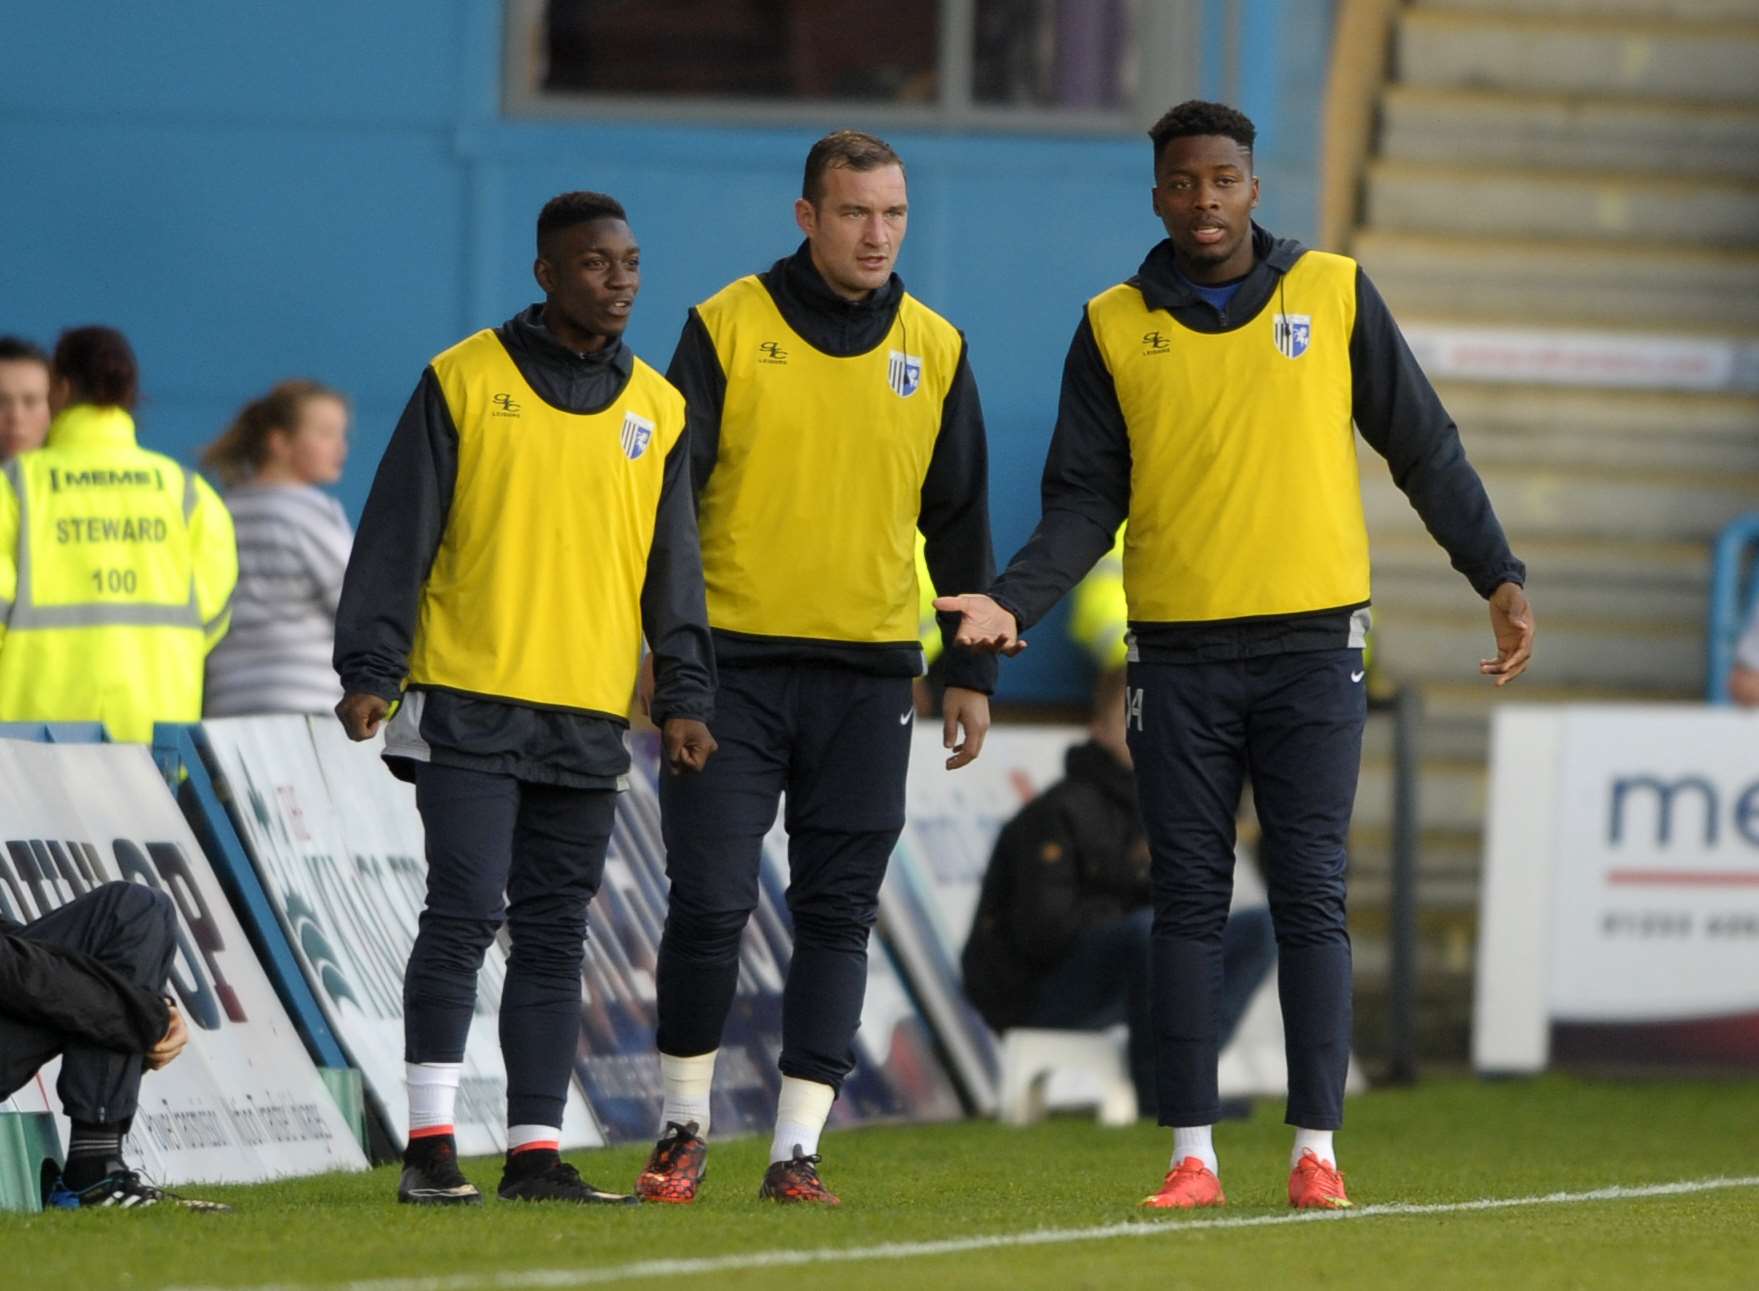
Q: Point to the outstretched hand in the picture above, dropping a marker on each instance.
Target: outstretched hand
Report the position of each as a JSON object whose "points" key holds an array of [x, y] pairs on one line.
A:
{"points": [[687, 744], [1511, 622], [983, 625]]}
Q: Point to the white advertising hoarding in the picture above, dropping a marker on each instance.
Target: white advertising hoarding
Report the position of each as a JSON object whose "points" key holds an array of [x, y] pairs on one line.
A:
{"points": [[338, 845], [1621, 895], [243, 1103]]}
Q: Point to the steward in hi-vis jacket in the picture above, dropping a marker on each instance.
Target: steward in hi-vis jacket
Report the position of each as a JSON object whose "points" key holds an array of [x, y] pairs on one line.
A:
{"points": [[1209, 401], [116, 564], [530, 521]]}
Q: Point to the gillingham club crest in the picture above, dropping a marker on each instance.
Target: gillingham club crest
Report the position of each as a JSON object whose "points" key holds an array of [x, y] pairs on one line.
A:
{"points": [[1292, 333], [904, 373], [638, 432]]}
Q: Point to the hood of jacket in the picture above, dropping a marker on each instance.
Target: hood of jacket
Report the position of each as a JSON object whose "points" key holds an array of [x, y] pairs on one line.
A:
{"points": [[1164, 287]]}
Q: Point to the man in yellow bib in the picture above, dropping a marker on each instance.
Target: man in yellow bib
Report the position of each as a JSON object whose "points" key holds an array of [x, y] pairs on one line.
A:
{"points": [[530, 521], [1209, 400], [832, 415]]}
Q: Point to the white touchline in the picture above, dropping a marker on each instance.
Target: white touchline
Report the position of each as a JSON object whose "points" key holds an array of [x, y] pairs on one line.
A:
{"points": [[515, 1280]]}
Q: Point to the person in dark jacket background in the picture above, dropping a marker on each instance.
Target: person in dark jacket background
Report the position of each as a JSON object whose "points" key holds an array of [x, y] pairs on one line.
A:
{"points": [[86, 982], [1061, 934]]}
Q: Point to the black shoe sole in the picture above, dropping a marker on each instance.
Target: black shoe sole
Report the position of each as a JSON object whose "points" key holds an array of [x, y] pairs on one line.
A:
{"points": [[409, 1199], [606, 1199]]}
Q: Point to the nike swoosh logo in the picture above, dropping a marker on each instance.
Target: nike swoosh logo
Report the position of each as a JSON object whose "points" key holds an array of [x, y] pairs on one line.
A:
{"points": [[905, 716], [1357, 676]]}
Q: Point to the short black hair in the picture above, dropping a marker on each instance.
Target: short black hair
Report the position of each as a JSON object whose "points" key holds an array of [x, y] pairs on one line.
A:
{"points": [[99, 364], [1201, 117], [850, 149], [15, 349], [565, 210]]}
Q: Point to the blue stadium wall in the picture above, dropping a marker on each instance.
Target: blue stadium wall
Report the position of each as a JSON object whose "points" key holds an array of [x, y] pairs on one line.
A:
{"points": [[332, 189]]}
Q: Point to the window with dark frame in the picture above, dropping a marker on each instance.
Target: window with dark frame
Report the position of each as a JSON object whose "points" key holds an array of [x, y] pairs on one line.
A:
{"points": [[945, 58], [1060, 65], [745, 49]]}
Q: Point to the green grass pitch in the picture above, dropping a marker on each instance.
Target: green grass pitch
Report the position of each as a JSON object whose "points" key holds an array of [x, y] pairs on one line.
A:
{"points": [[1444, 1141]]}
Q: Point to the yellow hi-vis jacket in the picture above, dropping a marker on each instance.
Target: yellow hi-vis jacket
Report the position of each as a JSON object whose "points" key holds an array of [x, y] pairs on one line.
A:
{"points": [[1100, 620], [116, 576]]}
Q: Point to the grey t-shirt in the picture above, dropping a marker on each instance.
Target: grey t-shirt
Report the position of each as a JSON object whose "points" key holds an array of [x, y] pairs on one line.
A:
{"points": [[293, 545]]}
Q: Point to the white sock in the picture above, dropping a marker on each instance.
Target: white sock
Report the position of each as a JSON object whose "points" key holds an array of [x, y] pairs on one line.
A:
{"points": [[1316, 1141], [433, 1089], [523, 1138], [801, 1112], [687, 1082], [1195, 1141]]}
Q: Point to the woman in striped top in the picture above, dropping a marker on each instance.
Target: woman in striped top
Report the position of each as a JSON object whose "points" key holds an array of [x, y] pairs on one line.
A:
{"points": [[293, 544]]}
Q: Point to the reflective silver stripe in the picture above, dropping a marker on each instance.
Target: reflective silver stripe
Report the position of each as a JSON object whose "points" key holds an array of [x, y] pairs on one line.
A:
{"points": [[26, 615], [15, 477], [104, 616], [21, 595], [189, 495], [215, 622]]}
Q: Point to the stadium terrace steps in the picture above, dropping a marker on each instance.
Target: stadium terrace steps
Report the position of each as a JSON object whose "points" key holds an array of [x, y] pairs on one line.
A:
{"points": [[1530, 203], [1559, 425], [1606, 653], [1569, 133], [1577, 283], [1576, 579], [1579, 53], [1452, 796], [1560, 502], [1688, 10], [1558, 191]]}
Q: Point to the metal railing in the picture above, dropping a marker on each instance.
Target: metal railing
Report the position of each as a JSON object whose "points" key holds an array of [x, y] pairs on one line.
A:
{"points": [[1734, 587], [1405, 706]]}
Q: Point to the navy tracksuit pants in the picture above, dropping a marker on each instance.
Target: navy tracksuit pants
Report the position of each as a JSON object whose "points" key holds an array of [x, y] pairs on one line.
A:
{"points": [[838, 743], [124, 926], [533, 855], [1293, 723]]}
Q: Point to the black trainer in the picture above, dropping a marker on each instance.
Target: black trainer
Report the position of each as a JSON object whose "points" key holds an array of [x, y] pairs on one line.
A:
{"points": [[546, 1177], [431, 1177], [796, 1180], [123, 1189]]}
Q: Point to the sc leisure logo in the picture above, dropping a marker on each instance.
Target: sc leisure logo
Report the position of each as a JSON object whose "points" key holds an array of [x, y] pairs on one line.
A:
{"points": [[1292, 333], [1154, 343], [505, 406], [904, 373], [772, 352], [637, 433]]}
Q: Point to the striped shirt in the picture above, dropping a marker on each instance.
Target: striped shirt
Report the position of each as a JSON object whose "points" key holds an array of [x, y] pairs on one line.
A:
{"points": [[293, 544]]}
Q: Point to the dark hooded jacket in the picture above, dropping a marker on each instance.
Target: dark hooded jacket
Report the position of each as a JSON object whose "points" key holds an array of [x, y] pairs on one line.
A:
{"points": [[63, 991], [954, 517], [1074, 858], [1086, 485], [399, 535]]}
